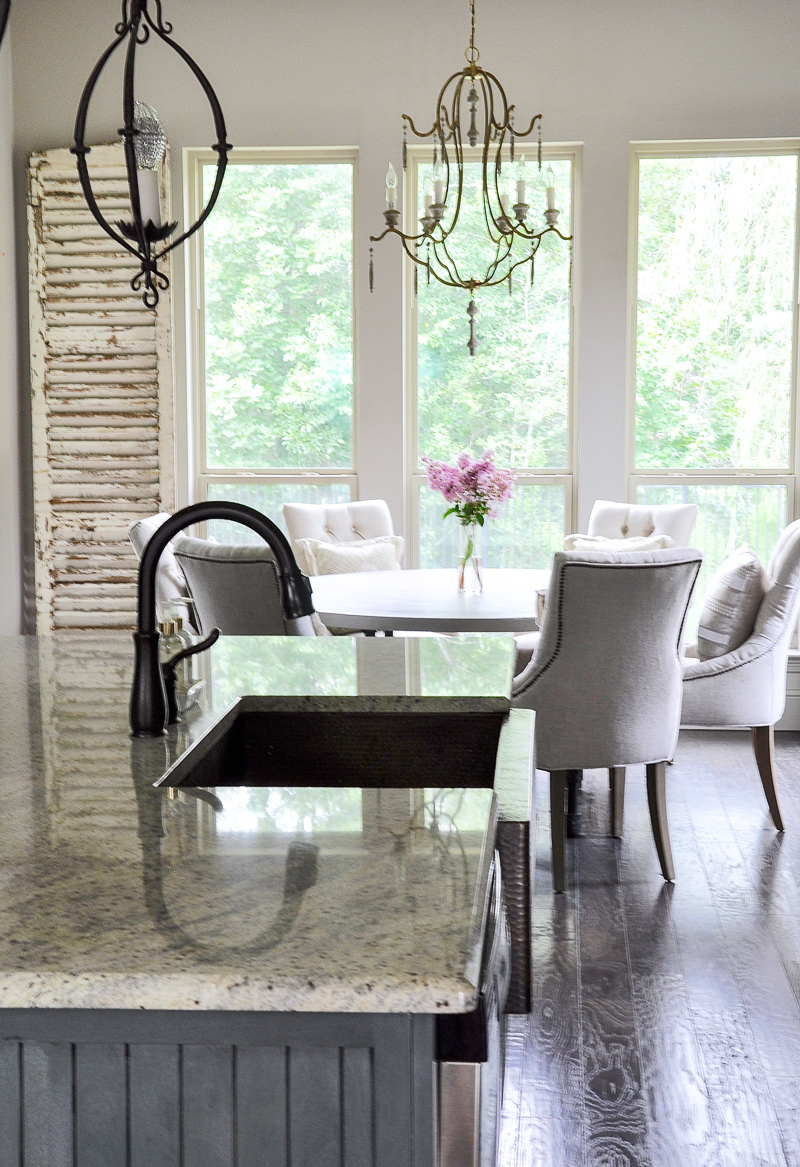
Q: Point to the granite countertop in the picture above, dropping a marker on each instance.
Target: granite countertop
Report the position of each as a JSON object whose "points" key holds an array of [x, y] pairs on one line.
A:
{"points": [[118, 894]]}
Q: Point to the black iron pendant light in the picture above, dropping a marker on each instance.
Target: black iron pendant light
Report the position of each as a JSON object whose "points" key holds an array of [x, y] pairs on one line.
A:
{"points": [[144, 142], [5, 8]]}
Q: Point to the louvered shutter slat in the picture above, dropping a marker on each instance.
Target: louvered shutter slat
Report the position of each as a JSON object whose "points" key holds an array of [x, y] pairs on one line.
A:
{"points": [[101, 370]]}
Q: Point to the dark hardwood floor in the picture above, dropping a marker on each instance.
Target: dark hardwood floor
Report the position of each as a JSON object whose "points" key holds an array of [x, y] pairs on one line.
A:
{"points": [[665, 1029]]}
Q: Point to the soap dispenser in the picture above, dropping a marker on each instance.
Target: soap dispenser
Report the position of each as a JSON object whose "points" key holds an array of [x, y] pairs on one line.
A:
{"points": [[170, 643]]}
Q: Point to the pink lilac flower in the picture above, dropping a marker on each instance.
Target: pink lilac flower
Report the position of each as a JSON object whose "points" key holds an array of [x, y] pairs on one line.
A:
{"points": [[474, 489]]}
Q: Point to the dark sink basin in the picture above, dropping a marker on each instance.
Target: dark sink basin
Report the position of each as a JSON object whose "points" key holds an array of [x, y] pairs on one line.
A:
{"points": [[348, 741]]}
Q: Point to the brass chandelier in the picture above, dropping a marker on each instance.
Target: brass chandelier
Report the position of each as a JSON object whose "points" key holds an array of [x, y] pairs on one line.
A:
{"points": [[489, 121]]}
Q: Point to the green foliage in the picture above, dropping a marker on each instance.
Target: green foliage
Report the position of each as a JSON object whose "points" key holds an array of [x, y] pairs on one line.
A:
{"points": [[468, 665], [282, 665], [268, 497], [513, 395], [312, 808], [714, 343], [278, 297]]}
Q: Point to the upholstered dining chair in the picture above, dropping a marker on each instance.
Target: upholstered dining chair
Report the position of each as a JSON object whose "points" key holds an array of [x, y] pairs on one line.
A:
{"points": [[235, 588], [347, 523], [172, 591], [606, 679], [622, 520], [747, 686]]}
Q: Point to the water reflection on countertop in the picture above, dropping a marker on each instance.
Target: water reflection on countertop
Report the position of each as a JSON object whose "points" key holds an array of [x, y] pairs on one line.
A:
{"points": [[118, 895]]}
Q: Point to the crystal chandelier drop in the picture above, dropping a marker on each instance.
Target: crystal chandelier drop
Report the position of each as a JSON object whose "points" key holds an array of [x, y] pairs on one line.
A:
{"points": [[473, 123], [144, 141]]}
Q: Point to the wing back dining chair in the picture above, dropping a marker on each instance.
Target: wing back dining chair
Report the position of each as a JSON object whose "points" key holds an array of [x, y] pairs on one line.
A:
{"points": [[622, 520], [606, 678], [747, 686], [348, 523], [172, 591], [235, 588]]}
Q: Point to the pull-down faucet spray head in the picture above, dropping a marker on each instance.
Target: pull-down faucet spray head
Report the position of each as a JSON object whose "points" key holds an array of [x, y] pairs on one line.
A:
{"points": [[149, 707]]}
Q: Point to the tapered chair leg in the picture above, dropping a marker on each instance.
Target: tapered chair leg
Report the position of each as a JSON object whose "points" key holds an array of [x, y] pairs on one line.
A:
{"points": [[558, 827], [764, 750], [656, 798], [574, 816], [616, 782]]}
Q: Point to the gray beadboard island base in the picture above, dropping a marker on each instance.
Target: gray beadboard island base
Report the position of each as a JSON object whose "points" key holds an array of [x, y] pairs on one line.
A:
{"points": [[120, 1088]]}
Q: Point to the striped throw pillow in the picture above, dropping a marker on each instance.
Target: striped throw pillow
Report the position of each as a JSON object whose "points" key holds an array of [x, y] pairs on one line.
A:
{"points": [[731, 603]]}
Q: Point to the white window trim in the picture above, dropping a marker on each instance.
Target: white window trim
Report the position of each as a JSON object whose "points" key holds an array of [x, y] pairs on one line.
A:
{"points": [[716, 476], [200, 474], [415, 476]]}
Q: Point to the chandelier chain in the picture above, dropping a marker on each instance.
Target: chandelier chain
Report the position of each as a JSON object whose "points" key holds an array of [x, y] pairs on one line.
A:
{"points": [[472, 54]]}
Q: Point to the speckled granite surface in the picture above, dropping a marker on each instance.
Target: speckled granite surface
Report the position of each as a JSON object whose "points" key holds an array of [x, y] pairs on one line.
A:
{"points": [[114, 894]]}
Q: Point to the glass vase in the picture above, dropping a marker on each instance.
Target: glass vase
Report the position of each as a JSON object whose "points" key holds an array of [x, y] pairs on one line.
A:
{"points": [[470, 557]]}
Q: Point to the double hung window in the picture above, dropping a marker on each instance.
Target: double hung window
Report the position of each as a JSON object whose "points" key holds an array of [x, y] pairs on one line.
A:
{"points": [[273, 353], [514, 395], [714, 360]]}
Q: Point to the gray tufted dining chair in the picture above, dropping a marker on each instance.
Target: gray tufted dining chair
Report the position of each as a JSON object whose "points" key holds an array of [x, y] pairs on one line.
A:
{"points": [[624, 520], [747, 686], [235, 588], [607, 677]]}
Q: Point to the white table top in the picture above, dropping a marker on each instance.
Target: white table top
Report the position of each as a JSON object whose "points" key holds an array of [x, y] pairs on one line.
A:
{"points": [[428, 600]]}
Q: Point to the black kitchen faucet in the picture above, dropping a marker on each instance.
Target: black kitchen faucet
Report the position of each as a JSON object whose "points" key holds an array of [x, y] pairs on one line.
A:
{"points": [[150, 704]]}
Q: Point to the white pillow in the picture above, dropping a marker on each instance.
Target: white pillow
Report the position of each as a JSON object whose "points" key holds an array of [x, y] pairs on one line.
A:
{"points": [[731, 603], [601, 543], [380, 554]]}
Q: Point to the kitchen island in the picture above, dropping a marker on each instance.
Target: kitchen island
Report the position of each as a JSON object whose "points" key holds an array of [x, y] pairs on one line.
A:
{"points": [[234, 974]]}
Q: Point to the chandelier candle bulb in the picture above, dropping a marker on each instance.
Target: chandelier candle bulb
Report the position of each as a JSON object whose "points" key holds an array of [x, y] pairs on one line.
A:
{"points": [[149, 201], [520, 190], [438, 192], [504, 204], [391, 187], [551, 198]]}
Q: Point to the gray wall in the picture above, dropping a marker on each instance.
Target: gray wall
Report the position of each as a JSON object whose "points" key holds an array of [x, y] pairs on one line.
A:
{"points": [[9, 444], [325, 73]]}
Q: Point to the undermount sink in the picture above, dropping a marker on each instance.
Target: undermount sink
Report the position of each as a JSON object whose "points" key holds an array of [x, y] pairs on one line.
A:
{"points": [[348, 741]]}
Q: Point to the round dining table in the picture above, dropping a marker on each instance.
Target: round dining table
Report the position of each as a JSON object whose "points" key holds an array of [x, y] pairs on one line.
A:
{"points": [[428, 600]]}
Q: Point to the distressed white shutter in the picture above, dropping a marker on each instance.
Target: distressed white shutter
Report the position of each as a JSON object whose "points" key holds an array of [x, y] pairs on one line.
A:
{"points": [[101, 379]]}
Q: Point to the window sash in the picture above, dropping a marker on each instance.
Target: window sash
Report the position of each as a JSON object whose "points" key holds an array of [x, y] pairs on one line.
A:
{"points": [[415, 474], [194, 162], [763, 147]]}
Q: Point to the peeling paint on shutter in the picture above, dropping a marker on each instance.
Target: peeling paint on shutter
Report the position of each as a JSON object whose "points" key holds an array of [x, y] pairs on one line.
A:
{"points": [[101, 378]]}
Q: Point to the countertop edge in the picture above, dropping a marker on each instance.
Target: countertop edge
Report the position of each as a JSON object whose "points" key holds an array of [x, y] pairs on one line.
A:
{"points": [[193, 993]]}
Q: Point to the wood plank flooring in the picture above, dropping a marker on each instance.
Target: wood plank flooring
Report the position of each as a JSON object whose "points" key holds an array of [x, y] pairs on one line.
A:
{"points": [[665, 1029]]}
